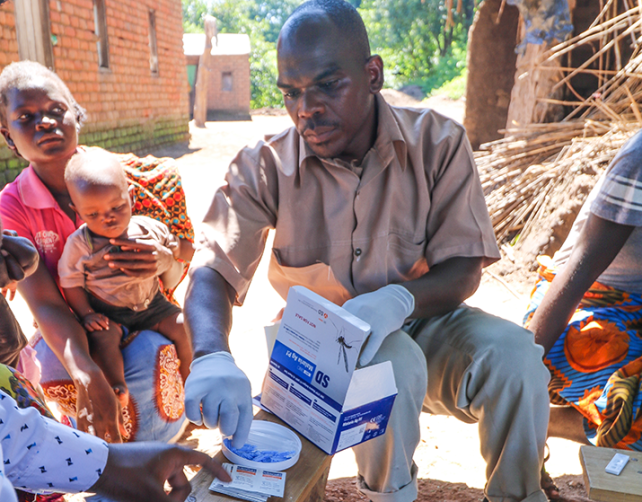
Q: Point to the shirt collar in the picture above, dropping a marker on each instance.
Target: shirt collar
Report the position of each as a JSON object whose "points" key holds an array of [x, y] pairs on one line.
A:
{"points": [[389, 140], [33, 191]]}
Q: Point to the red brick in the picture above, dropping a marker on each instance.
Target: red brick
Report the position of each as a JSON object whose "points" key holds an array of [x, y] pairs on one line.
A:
{"points": [[127, 94]]}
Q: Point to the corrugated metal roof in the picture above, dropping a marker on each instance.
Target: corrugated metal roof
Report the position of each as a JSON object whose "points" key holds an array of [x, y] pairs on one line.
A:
{"points": [[229, 44]]}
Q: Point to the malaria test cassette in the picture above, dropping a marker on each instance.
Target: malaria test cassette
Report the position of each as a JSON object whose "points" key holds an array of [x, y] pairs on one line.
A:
{"points": [[312, 383]]}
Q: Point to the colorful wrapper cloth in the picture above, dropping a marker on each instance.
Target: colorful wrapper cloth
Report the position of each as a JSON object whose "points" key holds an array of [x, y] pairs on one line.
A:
{"points": [[596, 364]]}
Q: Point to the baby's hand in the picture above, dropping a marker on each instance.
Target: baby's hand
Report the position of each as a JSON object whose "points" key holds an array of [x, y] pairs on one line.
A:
{"points": [[95, 322]]}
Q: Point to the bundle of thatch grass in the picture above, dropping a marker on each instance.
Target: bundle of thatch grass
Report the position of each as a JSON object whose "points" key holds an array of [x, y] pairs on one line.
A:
{"points": [[522, 172]]}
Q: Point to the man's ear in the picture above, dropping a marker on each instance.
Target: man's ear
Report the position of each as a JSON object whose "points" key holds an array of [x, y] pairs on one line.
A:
{"points": [[374, 67], [7, 138]]}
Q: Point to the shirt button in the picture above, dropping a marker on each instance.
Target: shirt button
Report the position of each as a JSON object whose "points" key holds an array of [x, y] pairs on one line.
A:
{"points": [[146, 303], [135, 308], [357, 252]]}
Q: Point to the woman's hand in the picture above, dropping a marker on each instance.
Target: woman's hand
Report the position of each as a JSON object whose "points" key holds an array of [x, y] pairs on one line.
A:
{"points": [[98, 411], [142, 258]]}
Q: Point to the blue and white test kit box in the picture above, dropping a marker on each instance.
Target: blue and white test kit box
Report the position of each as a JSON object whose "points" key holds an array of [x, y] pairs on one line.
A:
{"points": [[312, 384]]}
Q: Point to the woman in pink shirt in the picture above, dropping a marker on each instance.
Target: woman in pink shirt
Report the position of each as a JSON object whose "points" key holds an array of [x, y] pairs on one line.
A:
{"points": [[40, 121]]}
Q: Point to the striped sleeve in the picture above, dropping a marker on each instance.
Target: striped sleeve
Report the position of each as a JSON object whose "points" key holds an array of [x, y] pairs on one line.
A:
{"points": [[620, 197]]}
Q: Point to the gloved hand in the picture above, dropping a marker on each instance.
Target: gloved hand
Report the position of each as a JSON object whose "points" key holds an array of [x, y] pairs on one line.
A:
{"points": [[385, 310], [223, 390]]}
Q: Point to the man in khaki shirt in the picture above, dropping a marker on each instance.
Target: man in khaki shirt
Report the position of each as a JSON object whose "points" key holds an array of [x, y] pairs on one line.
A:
{"points": [[378, 209]]}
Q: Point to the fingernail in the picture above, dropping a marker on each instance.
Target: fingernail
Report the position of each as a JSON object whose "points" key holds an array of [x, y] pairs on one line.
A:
{"points": [[107, 257]]}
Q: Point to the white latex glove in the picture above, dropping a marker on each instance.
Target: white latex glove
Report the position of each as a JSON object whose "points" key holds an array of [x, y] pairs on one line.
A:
{"points": [[223, 390], [385, 310]]}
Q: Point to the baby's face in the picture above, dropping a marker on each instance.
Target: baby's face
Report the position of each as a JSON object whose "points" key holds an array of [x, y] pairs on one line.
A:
{"points": [[106, 209]]}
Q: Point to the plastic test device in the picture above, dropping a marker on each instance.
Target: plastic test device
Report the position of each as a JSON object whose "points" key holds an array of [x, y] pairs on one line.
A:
{"points": [[268, 436], [617, 463]]}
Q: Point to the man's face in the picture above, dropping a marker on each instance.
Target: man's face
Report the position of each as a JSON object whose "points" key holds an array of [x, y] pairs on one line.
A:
{"points": [[327, 90]]}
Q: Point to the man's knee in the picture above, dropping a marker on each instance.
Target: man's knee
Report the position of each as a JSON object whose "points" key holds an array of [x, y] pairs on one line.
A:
{"points": [[515, 357]]}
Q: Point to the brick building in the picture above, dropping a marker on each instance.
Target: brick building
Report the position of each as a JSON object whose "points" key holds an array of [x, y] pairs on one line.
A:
{"points": [[122, 59], [228, 91]]}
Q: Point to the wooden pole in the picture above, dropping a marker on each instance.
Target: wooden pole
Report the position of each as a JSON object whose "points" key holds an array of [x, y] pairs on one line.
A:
{"points": [[202, 79]]}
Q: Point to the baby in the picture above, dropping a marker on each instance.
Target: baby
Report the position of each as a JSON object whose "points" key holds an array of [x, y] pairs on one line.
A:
{"points": [[104, 297]]}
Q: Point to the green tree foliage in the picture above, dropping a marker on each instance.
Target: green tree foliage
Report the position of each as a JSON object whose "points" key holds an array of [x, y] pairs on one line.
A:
{"points": [[410, 35], [415, 42], [262, 21]]}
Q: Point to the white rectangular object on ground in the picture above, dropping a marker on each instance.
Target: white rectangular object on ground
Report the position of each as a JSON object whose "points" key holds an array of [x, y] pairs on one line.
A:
{"points": [[259, 482], [312, 384], [617, 463]]}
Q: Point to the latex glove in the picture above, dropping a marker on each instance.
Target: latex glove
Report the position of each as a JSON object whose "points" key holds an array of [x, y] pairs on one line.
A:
{"points": [[223, 390], [385, 310]]}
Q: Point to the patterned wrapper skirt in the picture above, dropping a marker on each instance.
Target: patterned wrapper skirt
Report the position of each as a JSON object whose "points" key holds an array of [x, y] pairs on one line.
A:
{"points": [[596, 365], [156, 404]]}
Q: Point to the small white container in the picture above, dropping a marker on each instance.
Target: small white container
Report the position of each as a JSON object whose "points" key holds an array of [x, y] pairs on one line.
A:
{"points": [[268, 436]]}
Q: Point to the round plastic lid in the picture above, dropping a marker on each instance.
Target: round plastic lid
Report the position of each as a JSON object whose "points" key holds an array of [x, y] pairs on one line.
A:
{"points": [[268, 436]]}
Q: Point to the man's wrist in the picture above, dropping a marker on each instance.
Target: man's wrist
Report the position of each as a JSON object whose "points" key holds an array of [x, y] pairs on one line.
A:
{"points": [[209, 351]]}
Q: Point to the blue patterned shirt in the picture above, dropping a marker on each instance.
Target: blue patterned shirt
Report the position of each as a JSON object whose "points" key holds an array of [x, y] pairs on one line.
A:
{"points": [[40, 455]]}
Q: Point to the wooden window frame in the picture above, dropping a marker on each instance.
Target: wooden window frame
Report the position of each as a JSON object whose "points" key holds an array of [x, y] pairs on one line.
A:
{"points": [[102, 37], [153, 44], [34, 44]]}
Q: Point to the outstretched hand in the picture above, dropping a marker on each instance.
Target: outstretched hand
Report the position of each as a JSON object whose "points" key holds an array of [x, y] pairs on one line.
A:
{"points": [[138, 471]]}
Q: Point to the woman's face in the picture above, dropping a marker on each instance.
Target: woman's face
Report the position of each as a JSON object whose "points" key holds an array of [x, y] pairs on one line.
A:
{"points": [[41, 123]]}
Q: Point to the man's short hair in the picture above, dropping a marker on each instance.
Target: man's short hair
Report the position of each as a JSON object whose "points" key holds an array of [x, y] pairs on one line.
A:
{"points": [[343, 15]]}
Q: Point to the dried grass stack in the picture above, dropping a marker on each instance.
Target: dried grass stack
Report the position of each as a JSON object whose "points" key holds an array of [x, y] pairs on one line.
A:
{"points": [[522, 172]]}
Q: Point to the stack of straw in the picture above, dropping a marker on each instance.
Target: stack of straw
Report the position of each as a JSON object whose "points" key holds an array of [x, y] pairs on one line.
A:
{"points": [[522, 172]]}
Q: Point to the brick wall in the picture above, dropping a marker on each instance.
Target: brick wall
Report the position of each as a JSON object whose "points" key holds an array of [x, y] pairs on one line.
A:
{"points": [[129, 109], [238, 100]]}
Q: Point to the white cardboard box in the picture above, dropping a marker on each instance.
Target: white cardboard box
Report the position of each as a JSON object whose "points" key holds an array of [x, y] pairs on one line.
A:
{"points": [[312, 384]]}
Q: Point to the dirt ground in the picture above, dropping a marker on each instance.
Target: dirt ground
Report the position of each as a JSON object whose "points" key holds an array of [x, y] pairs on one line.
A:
{"points": [[450, 465]]}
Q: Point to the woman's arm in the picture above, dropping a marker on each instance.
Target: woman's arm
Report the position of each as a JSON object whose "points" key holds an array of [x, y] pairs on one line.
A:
{"points": [[96, 407], [598, 244]]}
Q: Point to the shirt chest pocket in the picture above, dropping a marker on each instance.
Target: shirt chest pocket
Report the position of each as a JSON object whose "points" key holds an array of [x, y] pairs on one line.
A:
{"points": [[317, 277], [405, 258]]}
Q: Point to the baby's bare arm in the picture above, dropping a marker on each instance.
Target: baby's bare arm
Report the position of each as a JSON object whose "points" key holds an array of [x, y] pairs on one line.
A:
{"points": [[79, 303]]}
